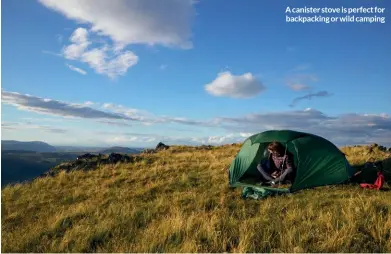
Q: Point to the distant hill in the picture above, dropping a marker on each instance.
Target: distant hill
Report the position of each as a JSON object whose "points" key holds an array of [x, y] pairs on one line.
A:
{"points": [[35, 146], [21, 161], [86, 149], [119, 149], [19, 166]]}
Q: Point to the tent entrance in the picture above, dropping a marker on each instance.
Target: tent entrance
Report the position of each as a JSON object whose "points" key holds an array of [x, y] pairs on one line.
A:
{"points": [[252, 176]]}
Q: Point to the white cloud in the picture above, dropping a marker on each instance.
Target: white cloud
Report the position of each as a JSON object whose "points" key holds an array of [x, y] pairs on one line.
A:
{"points": [[115, 123], [80, 36], [56, 108], [298, 87], [104, 60], [245, 134], [125, 22], [300, 82], [73, 68], [241, 86], [341, 129], [163, 67], [128, 112], [218, 139], [127, 140], [149, 22], [51, 53], [79, 39], [89, 103], [113, 65], [171, 140], [14, 126]]}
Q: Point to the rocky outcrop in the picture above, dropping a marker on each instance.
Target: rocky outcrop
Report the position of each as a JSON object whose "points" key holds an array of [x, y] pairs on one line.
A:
{"points": [[161, 146], [206, 147], [88, 156], [89, 161], [378, 147], [117, 157]]}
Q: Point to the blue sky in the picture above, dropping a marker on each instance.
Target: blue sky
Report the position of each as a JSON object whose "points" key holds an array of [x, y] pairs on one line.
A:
{"points": [[138, 72]]}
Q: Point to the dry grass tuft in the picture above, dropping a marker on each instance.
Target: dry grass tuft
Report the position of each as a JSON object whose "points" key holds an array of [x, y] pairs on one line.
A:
{"points": [[178, 201]]}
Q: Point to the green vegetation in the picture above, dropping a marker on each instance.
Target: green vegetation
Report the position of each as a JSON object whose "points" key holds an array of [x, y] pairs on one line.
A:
{"points": [[178, 200]]}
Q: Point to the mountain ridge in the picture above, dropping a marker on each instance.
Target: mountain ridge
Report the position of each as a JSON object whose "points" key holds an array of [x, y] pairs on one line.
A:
{"points": [[36, 146]]}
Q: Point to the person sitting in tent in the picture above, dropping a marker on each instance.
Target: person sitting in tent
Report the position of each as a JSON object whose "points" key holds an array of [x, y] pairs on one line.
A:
{"points": [[279, 166]]}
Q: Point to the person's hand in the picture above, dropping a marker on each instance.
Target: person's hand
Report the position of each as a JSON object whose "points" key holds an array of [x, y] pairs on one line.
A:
{"points": [[275, 174]]}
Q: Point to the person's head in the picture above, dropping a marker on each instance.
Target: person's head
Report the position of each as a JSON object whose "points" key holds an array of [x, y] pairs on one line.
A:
{"points": [[276, 148]]}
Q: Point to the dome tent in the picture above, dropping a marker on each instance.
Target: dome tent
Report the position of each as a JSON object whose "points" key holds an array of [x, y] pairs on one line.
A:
{"points": [[317, 161]]}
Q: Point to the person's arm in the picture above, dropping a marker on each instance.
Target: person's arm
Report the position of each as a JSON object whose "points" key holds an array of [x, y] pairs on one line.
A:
{"points": [[289, 162], [283, 175], [265, 175], [289, 168]]}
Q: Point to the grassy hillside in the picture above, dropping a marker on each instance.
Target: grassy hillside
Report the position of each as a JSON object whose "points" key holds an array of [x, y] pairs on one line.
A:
{"points": [[179, 201]]}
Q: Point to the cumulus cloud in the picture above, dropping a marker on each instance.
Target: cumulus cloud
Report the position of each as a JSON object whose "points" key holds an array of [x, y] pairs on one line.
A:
{"points": [[112, 66], [79, 39], [310, 96], [73, 68], [148, 22], [54, 107], [241, 86], [106, 60], [133, 22]]}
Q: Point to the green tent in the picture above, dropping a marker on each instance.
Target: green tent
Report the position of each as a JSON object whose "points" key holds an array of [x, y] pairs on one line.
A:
{"points": [[318, 162]]}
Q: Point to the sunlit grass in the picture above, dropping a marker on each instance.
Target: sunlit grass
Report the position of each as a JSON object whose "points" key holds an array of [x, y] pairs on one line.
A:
{"points": [[179, 201]]}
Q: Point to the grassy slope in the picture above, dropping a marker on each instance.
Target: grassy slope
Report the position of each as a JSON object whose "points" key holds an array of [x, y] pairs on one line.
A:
{"points": [[178, 201]]}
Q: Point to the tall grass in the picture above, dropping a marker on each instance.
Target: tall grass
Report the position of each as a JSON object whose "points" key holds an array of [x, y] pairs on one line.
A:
{"points": [[179, 201]]}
